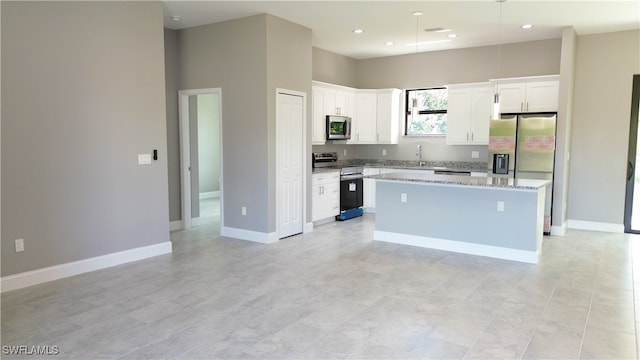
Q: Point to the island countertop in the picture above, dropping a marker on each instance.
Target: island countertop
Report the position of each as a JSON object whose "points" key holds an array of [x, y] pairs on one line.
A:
{"points": [[476, 181]]}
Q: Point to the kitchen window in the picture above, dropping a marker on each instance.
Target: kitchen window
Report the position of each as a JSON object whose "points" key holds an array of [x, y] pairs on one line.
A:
{"points": [[426, 112]]}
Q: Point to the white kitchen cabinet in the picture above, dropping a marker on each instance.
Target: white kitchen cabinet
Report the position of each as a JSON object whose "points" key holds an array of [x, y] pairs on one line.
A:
{"points": [[325, 202], [535, 95], [468, 114], [329, 100], [364, 123], [319, 129], [479, 173], [388, 116]]}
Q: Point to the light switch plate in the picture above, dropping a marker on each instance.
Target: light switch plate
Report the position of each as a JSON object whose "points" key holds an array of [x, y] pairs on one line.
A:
{"points": [[144, 159]]}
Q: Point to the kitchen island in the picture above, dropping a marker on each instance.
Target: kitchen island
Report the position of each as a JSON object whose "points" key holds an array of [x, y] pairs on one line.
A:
{"points": [[488, 216]]}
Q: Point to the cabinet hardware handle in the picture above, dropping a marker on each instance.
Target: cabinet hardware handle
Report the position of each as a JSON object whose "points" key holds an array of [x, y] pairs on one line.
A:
{"points": [[527, 106], [471, 136], [521, 106], [467, 136]]}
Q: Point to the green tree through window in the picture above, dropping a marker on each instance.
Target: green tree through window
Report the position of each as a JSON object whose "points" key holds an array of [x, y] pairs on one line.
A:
{"points": [[426, 112]]}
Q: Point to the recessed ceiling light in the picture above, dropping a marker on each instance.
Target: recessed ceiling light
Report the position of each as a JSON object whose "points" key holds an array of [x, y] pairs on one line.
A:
{"points": [[175, 18], [389, 43], [527, 26], [358, 31], [452, 36], [417, 13]]}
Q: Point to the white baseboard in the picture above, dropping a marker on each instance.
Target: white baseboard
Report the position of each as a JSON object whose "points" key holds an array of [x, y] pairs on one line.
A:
{"points": [[175, 225], [308, 227], [39, 276], [249, 235], [595, 226], [457, 246], [559, 230], [209, 194]]}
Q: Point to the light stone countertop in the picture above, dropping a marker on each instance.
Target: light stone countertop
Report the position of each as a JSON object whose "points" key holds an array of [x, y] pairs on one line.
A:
{"points": [[476, 181]]}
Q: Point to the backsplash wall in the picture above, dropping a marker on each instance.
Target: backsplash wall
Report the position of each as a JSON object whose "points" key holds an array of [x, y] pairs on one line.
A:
{"points": [[433, 149]]}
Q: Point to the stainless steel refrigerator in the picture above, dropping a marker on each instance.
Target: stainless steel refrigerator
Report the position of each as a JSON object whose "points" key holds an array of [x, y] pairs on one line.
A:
{"points": [[529, 140]]}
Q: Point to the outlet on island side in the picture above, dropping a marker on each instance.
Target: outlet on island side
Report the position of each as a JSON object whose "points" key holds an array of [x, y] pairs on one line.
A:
{"points": [[403, 197], [244, 211], [19, 245], [384, 152], [500, 206]]}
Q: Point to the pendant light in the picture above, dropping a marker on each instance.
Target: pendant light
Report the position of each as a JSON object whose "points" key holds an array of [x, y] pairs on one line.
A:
{"points": [[495, 115]]}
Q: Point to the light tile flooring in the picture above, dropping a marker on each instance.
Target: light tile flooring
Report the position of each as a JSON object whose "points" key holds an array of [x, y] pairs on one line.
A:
{"points": [[335, 294]]}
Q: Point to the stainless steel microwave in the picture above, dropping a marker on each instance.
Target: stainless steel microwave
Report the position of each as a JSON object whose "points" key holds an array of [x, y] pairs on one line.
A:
{"points": [[338, 127]]}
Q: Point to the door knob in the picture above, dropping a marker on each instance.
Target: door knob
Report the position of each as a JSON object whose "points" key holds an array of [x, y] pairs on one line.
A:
{"points": [[629, 171]]}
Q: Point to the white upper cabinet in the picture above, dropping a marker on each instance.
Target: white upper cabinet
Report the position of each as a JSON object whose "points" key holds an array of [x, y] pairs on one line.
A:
{"points": [[388, 116], [536, 94], [329, 100], [363, 125], [319, 132], [374, 114], [468, 114]]}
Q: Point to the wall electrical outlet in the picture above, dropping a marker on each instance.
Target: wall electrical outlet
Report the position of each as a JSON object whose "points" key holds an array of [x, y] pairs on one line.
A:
{"points": [[19, 245], [500, 205], [244, 211], [384, 152], [344, 152], [403, 197], [475, 154]]}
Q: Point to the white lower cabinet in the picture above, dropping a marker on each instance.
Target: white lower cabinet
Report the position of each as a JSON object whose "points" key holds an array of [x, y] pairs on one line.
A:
{"points": [[325, 202]]}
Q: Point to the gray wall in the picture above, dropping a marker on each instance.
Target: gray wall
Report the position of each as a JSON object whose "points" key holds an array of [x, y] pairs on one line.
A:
{"points": [[605, 65], [563, 127], [289, 58], [232, 56], [334, 68], [440, 68], [248, 59], [173, 128], [81, 98], [208, 142]]}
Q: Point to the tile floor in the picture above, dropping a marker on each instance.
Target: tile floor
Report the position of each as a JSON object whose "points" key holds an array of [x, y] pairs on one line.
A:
{"points": [[335, 294]]}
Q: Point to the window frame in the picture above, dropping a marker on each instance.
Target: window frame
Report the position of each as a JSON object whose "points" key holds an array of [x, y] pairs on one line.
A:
{"points": [[422, 112]]}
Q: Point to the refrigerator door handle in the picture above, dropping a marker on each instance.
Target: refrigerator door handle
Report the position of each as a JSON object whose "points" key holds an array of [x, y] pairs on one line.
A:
{"points": [[629, 171]]}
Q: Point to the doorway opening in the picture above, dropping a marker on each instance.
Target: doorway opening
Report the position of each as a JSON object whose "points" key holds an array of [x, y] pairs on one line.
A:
{"points": [[201, 157], [632, 199]]}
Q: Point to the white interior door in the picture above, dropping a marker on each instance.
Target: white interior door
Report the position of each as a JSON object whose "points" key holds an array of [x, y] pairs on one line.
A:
{"points": [[289, 151]]}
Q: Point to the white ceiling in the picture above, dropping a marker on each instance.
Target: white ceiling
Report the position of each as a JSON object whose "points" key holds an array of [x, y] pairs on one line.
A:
{"points": [[476, 22]]}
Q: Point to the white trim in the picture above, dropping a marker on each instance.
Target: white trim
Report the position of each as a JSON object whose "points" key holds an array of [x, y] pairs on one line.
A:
{"points": [[308, 227], [249, 235], [559, 230], [209, 195], [39, 276], [457, 246], [595, 226], [175, 225]]}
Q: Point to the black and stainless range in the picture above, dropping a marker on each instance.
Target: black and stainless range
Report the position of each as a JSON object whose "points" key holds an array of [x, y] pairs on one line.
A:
{"points": [[351, 194]]}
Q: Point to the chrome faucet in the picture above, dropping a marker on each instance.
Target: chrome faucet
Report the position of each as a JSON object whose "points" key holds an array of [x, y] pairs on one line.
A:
{"points": [[419, 155]]}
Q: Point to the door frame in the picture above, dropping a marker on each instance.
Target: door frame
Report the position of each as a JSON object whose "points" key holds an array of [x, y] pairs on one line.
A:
{"points": [[185, 153], [631, 157], [304, 159]]}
